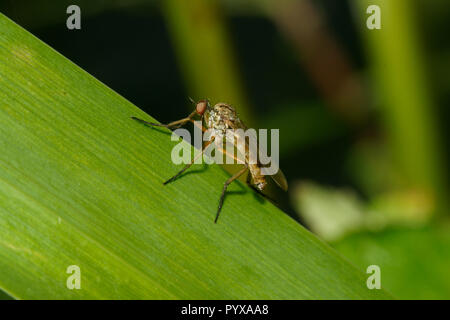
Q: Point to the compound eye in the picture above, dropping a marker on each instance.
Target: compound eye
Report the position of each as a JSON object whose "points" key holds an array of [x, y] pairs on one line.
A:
{"points": [[201, 107]]}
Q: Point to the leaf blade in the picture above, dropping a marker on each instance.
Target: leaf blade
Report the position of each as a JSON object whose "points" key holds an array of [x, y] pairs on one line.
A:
{"points": [[81, 183]]}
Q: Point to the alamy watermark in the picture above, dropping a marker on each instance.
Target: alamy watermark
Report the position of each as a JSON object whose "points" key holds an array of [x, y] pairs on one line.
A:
{"points": [[74, 20], [374, 20], [74, 280], [230, 146], [374, 280]]}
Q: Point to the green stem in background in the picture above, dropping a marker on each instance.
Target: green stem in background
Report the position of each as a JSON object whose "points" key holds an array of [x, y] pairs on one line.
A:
{"points": [[204, 50], [81, 184], [406, 105]]}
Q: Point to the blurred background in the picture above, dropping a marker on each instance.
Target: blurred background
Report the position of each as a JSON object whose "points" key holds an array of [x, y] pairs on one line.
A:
{"points": [[364, 139]]}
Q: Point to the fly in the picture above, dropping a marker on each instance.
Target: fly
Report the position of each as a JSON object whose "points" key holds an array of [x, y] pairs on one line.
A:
{"points": [[220, 118]]}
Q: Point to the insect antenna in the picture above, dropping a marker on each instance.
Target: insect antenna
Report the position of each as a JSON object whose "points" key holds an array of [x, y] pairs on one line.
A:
{"points": [[192, 101]]}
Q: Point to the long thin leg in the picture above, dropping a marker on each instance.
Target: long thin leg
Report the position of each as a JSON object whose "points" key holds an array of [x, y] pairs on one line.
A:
{"points": [[249, 178], [189, 164], [225, 186], [173, 124]]}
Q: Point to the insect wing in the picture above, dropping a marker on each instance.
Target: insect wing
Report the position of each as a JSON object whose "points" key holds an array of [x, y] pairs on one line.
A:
{"points": [[244, 148], [280, 180]]}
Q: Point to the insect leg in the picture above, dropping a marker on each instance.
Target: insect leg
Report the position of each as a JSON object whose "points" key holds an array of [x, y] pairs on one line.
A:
{"points": [[173, 124], [225, 186], [189, 164], [249, 179]]}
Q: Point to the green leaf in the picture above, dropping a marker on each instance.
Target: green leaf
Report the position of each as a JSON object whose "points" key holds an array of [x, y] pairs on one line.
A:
{"points": [[5, 296], [81, 184], [414, 262]]}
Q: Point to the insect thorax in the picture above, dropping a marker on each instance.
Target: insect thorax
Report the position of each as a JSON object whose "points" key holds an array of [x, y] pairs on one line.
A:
{"points": [[222, 117]]}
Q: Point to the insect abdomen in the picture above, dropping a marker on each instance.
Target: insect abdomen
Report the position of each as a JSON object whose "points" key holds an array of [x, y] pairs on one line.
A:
{"points": [[259, 180]]}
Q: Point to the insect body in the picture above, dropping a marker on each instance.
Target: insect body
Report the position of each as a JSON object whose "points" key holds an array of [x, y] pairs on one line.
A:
{"points": [[220, 119], [223, 117]]}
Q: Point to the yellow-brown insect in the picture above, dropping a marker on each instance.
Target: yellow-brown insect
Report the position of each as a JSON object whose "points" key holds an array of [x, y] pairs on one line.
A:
{"points": [[220, 118]]}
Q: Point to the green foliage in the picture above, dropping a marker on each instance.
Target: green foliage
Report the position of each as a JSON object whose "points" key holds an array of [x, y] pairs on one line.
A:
{"points": [[406, 102], [333, 213], [414, 263], [81, 184], [392, 231]]}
